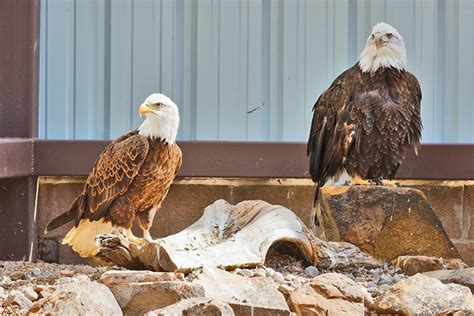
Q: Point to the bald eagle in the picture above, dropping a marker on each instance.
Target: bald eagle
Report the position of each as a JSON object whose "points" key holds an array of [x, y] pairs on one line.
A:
{"points": [[369, 117], [128, 181]]}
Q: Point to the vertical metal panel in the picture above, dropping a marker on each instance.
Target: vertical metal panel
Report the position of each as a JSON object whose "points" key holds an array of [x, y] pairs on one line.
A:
{"points": [[240, 69], [466, 73], [121, 67], [257, 111], [207, 70], [59, 86], [232, 70]]}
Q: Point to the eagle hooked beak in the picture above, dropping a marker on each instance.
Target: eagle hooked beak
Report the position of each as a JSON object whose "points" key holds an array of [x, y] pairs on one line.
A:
{"points": [[144, 109], [378, 41]]}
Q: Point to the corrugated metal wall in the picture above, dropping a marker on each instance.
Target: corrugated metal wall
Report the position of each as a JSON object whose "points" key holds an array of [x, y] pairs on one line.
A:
{"points": [[240, 69]]}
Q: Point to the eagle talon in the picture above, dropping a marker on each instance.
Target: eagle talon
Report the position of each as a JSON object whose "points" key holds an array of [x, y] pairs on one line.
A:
{"points": [[376, 181]]}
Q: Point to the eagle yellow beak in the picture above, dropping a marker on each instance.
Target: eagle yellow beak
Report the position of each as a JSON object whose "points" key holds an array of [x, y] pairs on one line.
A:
{"points": [[144, 109], [378, 42]]}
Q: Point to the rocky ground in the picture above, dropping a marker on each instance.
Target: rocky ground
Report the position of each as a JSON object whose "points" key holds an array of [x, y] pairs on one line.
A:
{"points": [[340, 279], [35, 288], [22, 283]]}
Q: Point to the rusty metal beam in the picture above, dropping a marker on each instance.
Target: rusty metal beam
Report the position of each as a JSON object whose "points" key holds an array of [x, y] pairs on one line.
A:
{"points": [[251, 160], [16, 157]]}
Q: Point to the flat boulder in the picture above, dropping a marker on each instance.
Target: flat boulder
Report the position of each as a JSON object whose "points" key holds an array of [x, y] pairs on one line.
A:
{"points": [[246, 296], [462, 276], [329, 294], [76, 297], [411, 265], [138, 292], [422, 295], [195, 306], [386, 222]]}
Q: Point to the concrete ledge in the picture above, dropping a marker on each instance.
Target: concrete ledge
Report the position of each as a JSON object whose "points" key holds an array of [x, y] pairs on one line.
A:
{"points": [[188, 197]]}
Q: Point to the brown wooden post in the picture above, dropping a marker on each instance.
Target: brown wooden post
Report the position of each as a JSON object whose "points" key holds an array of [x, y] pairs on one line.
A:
{"points": [[19, 57]]}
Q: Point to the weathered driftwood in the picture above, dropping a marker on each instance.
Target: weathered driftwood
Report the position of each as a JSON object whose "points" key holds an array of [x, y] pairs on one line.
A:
{"points": [[226, 235]]}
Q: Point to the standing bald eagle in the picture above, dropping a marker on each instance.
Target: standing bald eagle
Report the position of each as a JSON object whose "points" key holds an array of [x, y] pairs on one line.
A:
{"points": [[129, 180], [370, 115]]}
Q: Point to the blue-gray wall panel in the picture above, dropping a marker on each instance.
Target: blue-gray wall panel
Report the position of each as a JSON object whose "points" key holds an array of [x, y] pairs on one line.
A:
{"points": [[240, 69]]}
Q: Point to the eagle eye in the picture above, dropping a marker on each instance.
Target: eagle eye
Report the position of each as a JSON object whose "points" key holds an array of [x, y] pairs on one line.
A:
{"points": [[372, 36], [156, 105], [389, 35]]}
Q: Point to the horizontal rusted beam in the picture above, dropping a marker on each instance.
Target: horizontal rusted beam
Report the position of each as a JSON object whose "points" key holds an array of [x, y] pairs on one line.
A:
{"points": [[439, 162], [16, 157], [222, 159]]}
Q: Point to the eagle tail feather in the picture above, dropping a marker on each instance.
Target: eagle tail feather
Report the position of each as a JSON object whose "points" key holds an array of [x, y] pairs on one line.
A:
{"points": [[316, 194], [315, 201], [82, 238], [65, 217]]}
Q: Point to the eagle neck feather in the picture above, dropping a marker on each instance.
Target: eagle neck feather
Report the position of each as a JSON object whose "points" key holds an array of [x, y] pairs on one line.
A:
{"points": [[390, 56], [160, 126]]}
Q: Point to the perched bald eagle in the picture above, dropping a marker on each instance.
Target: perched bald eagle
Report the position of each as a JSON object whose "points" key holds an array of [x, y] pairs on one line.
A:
{"points": [[370, 115], [128, 181]]}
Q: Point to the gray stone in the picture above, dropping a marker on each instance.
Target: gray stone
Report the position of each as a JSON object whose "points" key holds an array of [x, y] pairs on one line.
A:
{"points": [[85, 269], [311, 271], [35, 272], [3, 294], [245, 272], [30, 293], [17, 298], [278, 277], [4, 280], [385, 279], [260, 273], [16, 275], [269, 272]]}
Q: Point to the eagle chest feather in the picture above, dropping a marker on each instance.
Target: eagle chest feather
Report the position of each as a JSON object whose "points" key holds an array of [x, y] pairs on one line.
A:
{"points": [[383, 112], [156, 175]]}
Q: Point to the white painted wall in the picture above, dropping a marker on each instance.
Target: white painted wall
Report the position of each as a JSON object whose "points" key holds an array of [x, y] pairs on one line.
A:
{"points": [[220, 59]]}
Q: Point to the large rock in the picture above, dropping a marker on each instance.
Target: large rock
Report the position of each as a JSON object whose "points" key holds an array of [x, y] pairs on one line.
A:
{"points": [[246, 296], [422, 295], [195, 306], [138, 292], [412, 265], [386, 222], [462, 276], [329, 294], [78, 297]]}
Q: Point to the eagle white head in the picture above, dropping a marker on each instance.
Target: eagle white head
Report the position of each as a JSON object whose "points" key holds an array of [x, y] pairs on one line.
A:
{"points": [[384, 48], [162, 118]]}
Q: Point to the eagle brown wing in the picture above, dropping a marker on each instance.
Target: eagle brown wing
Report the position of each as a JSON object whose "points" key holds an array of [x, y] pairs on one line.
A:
{"points": [[112, 174], [329, 128], [414, 102]]}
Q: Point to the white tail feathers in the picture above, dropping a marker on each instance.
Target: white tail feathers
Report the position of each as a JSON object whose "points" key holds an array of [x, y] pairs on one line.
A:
{"points": [[82, 238]]}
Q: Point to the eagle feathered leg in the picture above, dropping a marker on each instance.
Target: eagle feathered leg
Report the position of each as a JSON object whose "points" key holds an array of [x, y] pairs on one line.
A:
{"points": [[145, 221], [132, 238]]}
